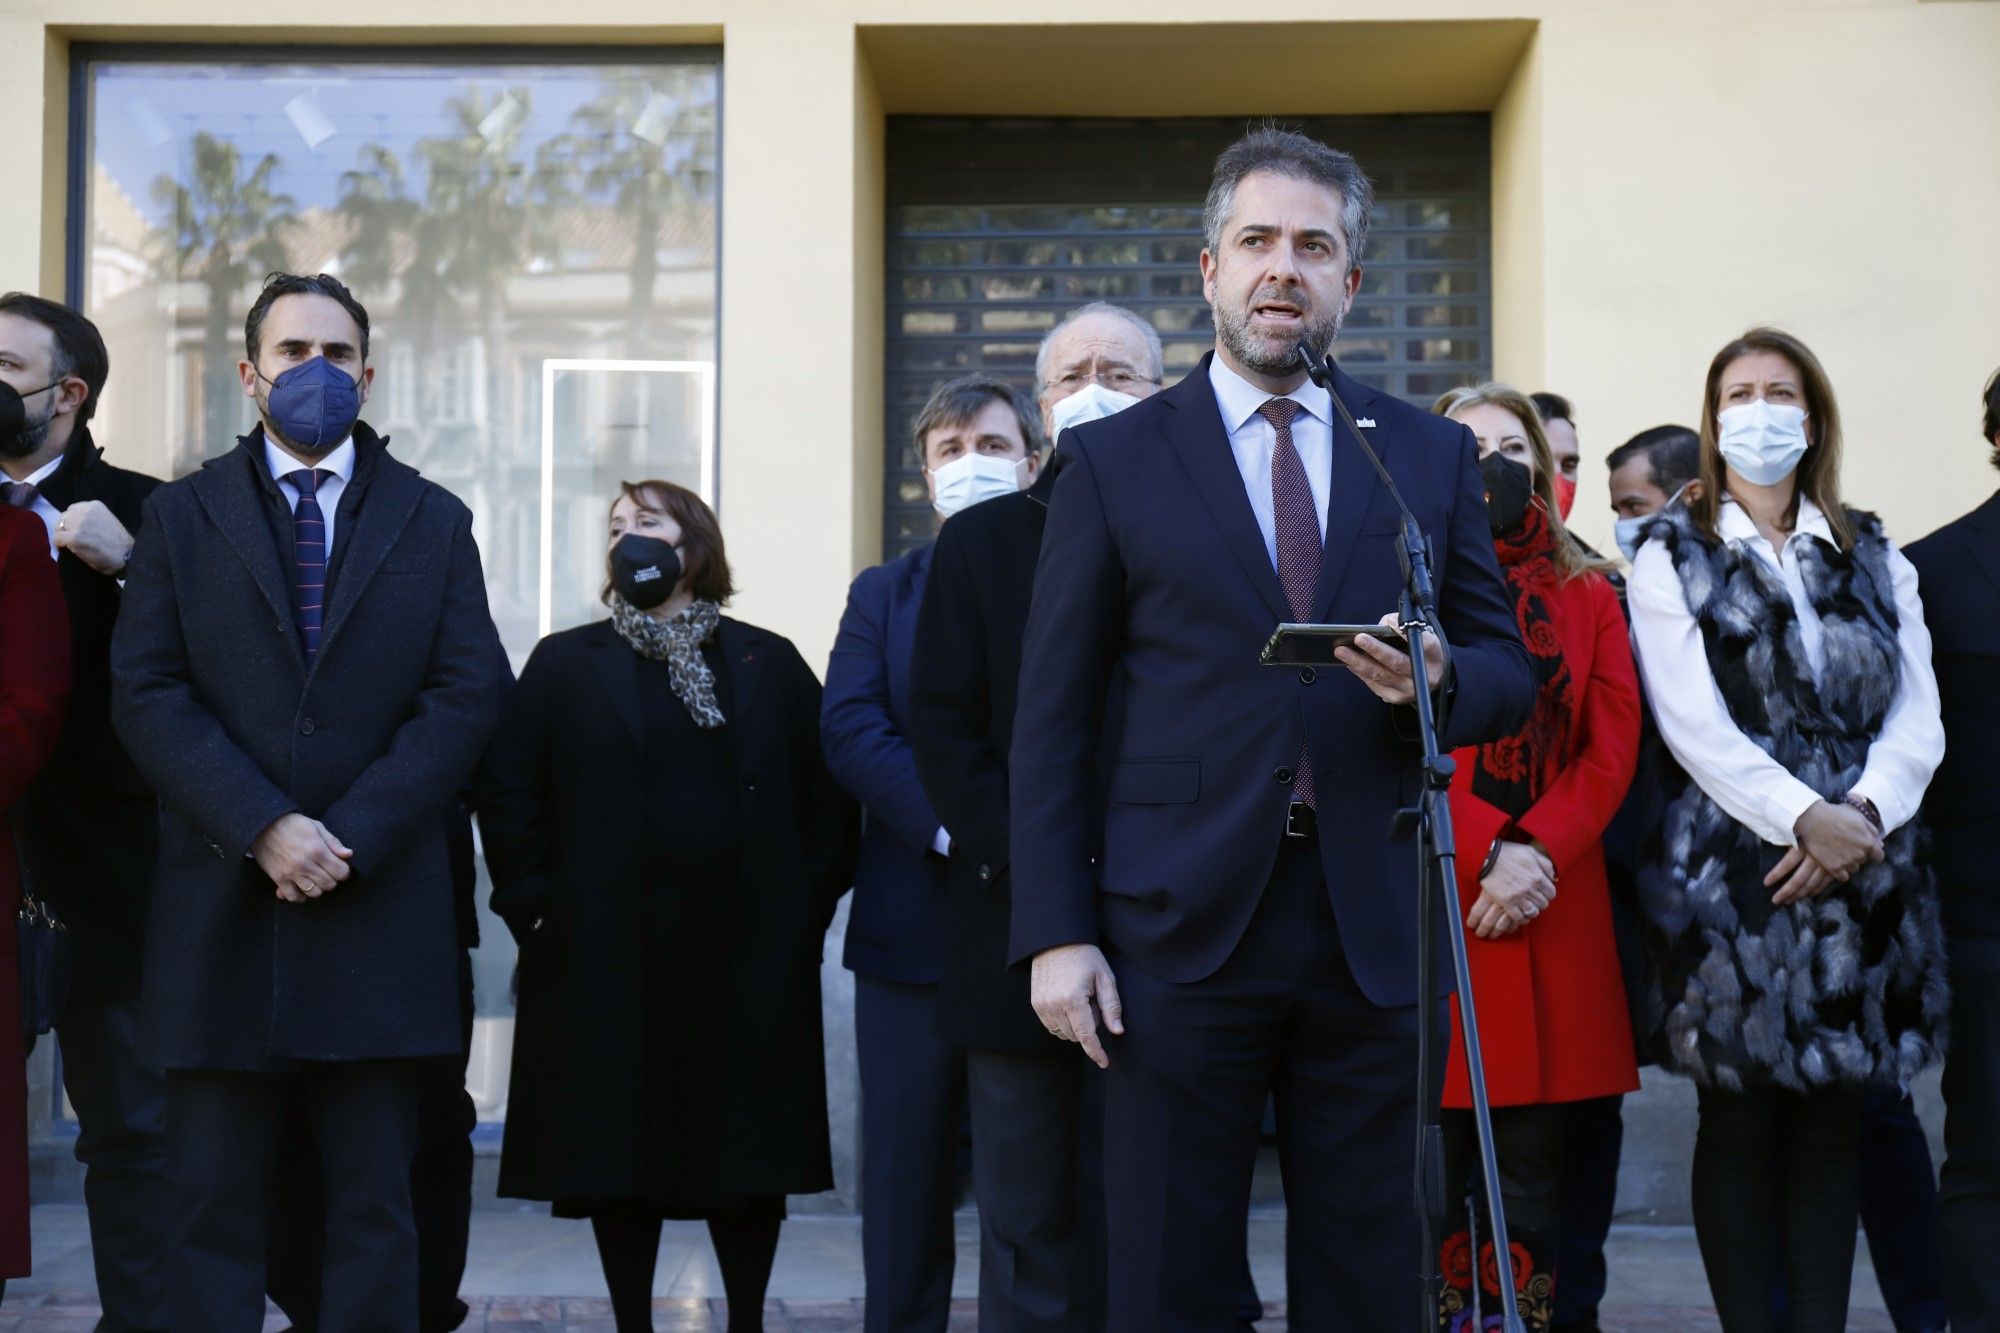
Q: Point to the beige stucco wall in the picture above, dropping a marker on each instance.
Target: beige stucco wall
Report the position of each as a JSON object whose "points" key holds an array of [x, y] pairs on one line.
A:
{"points": [[1664, 175]]}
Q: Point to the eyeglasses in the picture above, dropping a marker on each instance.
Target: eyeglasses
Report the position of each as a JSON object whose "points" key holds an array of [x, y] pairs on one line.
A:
{"points": [[1121, 378]]}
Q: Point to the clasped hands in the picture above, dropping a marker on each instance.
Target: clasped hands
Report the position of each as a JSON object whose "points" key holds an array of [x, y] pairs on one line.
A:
{"points": [[1834, 841], [302, 857], [1519, 888]]}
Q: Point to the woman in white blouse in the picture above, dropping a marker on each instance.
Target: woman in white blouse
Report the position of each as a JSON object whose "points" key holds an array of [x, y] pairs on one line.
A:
{"points": [[1793, 918]]}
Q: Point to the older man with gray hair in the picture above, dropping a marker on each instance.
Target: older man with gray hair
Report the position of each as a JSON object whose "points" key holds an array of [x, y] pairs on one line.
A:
{"points": [[1037, 1109], [1099, 359]]}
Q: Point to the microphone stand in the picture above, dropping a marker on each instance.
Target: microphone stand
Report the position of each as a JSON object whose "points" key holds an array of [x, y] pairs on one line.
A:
{"points": [[1437, 854]]}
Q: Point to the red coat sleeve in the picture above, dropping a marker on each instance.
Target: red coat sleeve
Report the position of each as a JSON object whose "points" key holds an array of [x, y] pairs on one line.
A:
{"points": [[1569, 818], [1476, 825], [34, 653]]}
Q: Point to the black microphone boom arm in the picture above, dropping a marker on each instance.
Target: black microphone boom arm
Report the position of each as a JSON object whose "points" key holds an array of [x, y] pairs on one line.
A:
{"points": [[1437, 856]]}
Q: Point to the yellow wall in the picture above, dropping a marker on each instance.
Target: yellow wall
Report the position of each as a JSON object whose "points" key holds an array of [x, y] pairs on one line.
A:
{"points": [[1664, 175]]}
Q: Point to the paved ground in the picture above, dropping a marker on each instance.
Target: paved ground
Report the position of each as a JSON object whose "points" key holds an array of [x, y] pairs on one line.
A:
{"points": [[532, 1274]]}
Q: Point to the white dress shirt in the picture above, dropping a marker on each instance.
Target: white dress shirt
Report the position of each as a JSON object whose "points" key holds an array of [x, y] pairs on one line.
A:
{"points": [[1749, 785], [1252, 439], [48, 513], [340, 463]]}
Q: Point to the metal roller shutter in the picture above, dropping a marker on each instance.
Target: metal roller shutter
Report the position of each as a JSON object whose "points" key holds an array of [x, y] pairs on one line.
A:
{"points": [[996, 228]]}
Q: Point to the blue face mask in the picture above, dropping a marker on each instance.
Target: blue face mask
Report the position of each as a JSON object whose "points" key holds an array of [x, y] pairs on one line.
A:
{"points": [[314, 405]]}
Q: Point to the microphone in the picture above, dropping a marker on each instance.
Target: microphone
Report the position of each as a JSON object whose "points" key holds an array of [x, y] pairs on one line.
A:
{"points": [[1412, 547]]}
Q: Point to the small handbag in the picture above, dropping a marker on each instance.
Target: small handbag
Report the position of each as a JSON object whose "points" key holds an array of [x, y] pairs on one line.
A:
{"points": [[47, 960]]}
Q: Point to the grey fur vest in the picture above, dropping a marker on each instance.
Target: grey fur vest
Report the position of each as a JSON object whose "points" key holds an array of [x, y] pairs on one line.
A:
{"points": [[1845, 987]]}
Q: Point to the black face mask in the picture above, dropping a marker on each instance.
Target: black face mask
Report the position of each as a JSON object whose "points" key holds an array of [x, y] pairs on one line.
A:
{"points": [[1509, 488], [17, 438], [644, 570]]}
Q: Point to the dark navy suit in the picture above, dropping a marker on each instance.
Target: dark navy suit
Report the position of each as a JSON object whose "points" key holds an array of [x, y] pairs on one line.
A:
{"points": [[1959, 569], [912, 1080], [1248, 962]]}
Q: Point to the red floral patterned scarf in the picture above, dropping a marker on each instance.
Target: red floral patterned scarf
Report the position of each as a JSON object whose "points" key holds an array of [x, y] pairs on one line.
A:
{"points": [[1513, 773]]}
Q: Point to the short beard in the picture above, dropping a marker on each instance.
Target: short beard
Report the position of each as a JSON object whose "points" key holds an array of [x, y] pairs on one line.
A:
{"points": [[29, 441], [1233, 327]]}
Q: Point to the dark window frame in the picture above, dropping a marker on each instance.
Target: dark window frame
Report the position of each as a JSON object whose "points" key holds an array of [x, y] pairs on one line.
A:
{"points": [[1405, 338]]}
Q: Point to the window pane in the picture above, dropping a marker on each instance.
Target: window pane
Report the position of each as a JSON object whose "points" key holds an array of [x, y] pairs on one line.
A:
{"points": [[536, 248]]}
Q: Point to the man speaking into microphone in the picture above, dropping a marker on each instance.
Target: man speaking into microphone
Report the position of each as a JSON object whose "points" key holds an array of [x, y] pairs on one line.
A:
{"points": [[1204, 880]]}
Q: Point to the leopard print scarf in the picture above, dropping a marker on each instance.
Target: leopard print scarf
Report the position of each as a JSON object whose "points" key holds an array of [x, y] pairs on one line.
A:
{"points": [[677, 642]]}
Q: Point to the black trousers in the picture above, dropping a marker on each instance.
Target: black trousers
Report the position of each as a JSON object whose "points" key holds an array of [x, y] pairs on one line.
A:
{"points": [[121, 1116], [1899, 1211], [1185, 1100], [1593, 1142], [912, 1105], [224, 1132], [440, 1196], [1772, 1164], [1969, 1197], [1038, 1169]]}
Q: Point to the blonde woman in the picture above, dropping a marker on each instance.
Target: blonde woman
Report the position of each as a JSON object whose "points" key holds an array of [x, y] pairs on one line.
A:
{"points": [[1530, 810]]}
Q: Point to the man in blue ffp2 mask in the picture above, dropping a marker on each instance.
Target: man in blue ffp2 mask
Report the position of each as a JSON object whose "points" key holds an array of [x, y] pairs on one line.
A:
{"points": [[305, 668]]}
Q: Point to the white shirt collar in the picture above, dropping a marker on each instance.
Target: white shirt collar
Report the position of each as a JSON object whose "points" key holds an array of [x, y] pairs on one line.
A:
{"points": [[340, 462], [45, 471], [1239, 399], [1733, 522]]}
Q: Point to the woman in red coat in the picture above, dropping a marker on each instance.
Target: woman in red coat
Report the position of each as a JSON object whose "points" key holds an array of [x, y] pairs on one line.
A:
{"points": [[1530, 811], [34, 681]]}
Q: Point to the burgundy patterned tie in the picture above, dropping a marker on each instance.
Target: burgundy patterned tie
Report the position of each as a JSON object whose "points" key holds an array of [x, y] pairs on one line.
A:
{"points": [[1296, 519]]}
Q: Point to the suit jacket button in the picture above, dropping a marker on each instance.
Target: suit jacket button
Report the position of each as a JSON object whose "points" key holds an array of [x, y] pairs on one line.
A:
{"points": [[1308, 676], [985, 872], [305, 726], [1284, 776]]}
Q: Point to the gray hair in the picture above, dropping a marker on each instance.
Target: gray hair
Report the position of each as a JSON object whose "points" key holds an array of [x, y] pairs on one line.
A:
{"points": [[1146, 331], [958, 401], [1288, 153]]}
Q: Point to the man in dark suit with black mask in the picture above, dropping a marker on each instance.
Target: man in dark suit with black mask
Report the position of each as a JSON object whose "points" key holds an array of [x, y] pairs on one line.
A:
{"points": [[1959, 569], [86, 827], [306, 670], [1203, 879]]}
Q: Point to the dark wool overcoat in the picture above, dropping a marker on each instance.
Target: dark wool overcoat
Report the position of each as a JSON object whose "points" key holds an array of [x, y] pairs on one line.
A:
{"points": [[1845, 987], [87, 825], [215, 700], [564, 808]]}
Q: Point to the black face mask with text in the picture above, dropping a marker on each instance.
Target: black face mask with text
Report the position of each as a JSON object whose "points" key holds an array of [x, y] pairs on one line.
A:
{"points": [[1509, 488], [644, 570]]}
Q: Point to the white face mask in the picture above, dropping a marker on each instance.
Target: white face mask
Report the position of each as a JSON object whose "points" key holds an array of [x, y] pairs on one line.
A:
{"points": [[1762, 440], [972, 478], [1090, 403], [1626, 530]]}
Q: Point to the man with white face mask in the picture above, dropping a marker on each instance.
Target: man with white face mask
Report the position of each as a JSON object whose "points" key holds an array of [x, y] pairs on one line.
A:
{"points": [[1037, 1109], [1100, 359], [1650, 471], [978, 439]]}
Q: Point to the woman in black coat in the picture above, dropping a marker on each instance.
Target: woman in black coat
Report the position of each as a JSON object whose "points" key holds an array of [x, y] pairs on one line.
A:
{"points": [[667, 846]]}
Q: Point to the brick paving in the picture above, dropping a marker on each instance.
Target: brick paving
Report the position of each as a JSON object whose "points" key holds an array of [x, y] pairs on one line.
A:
{"points": [[66, 1313]]}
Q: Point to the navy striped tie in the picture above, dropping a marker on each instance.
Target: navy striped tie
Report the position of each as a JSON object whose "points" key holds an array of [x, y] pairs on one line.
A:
{"points": [[308, 556]]}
